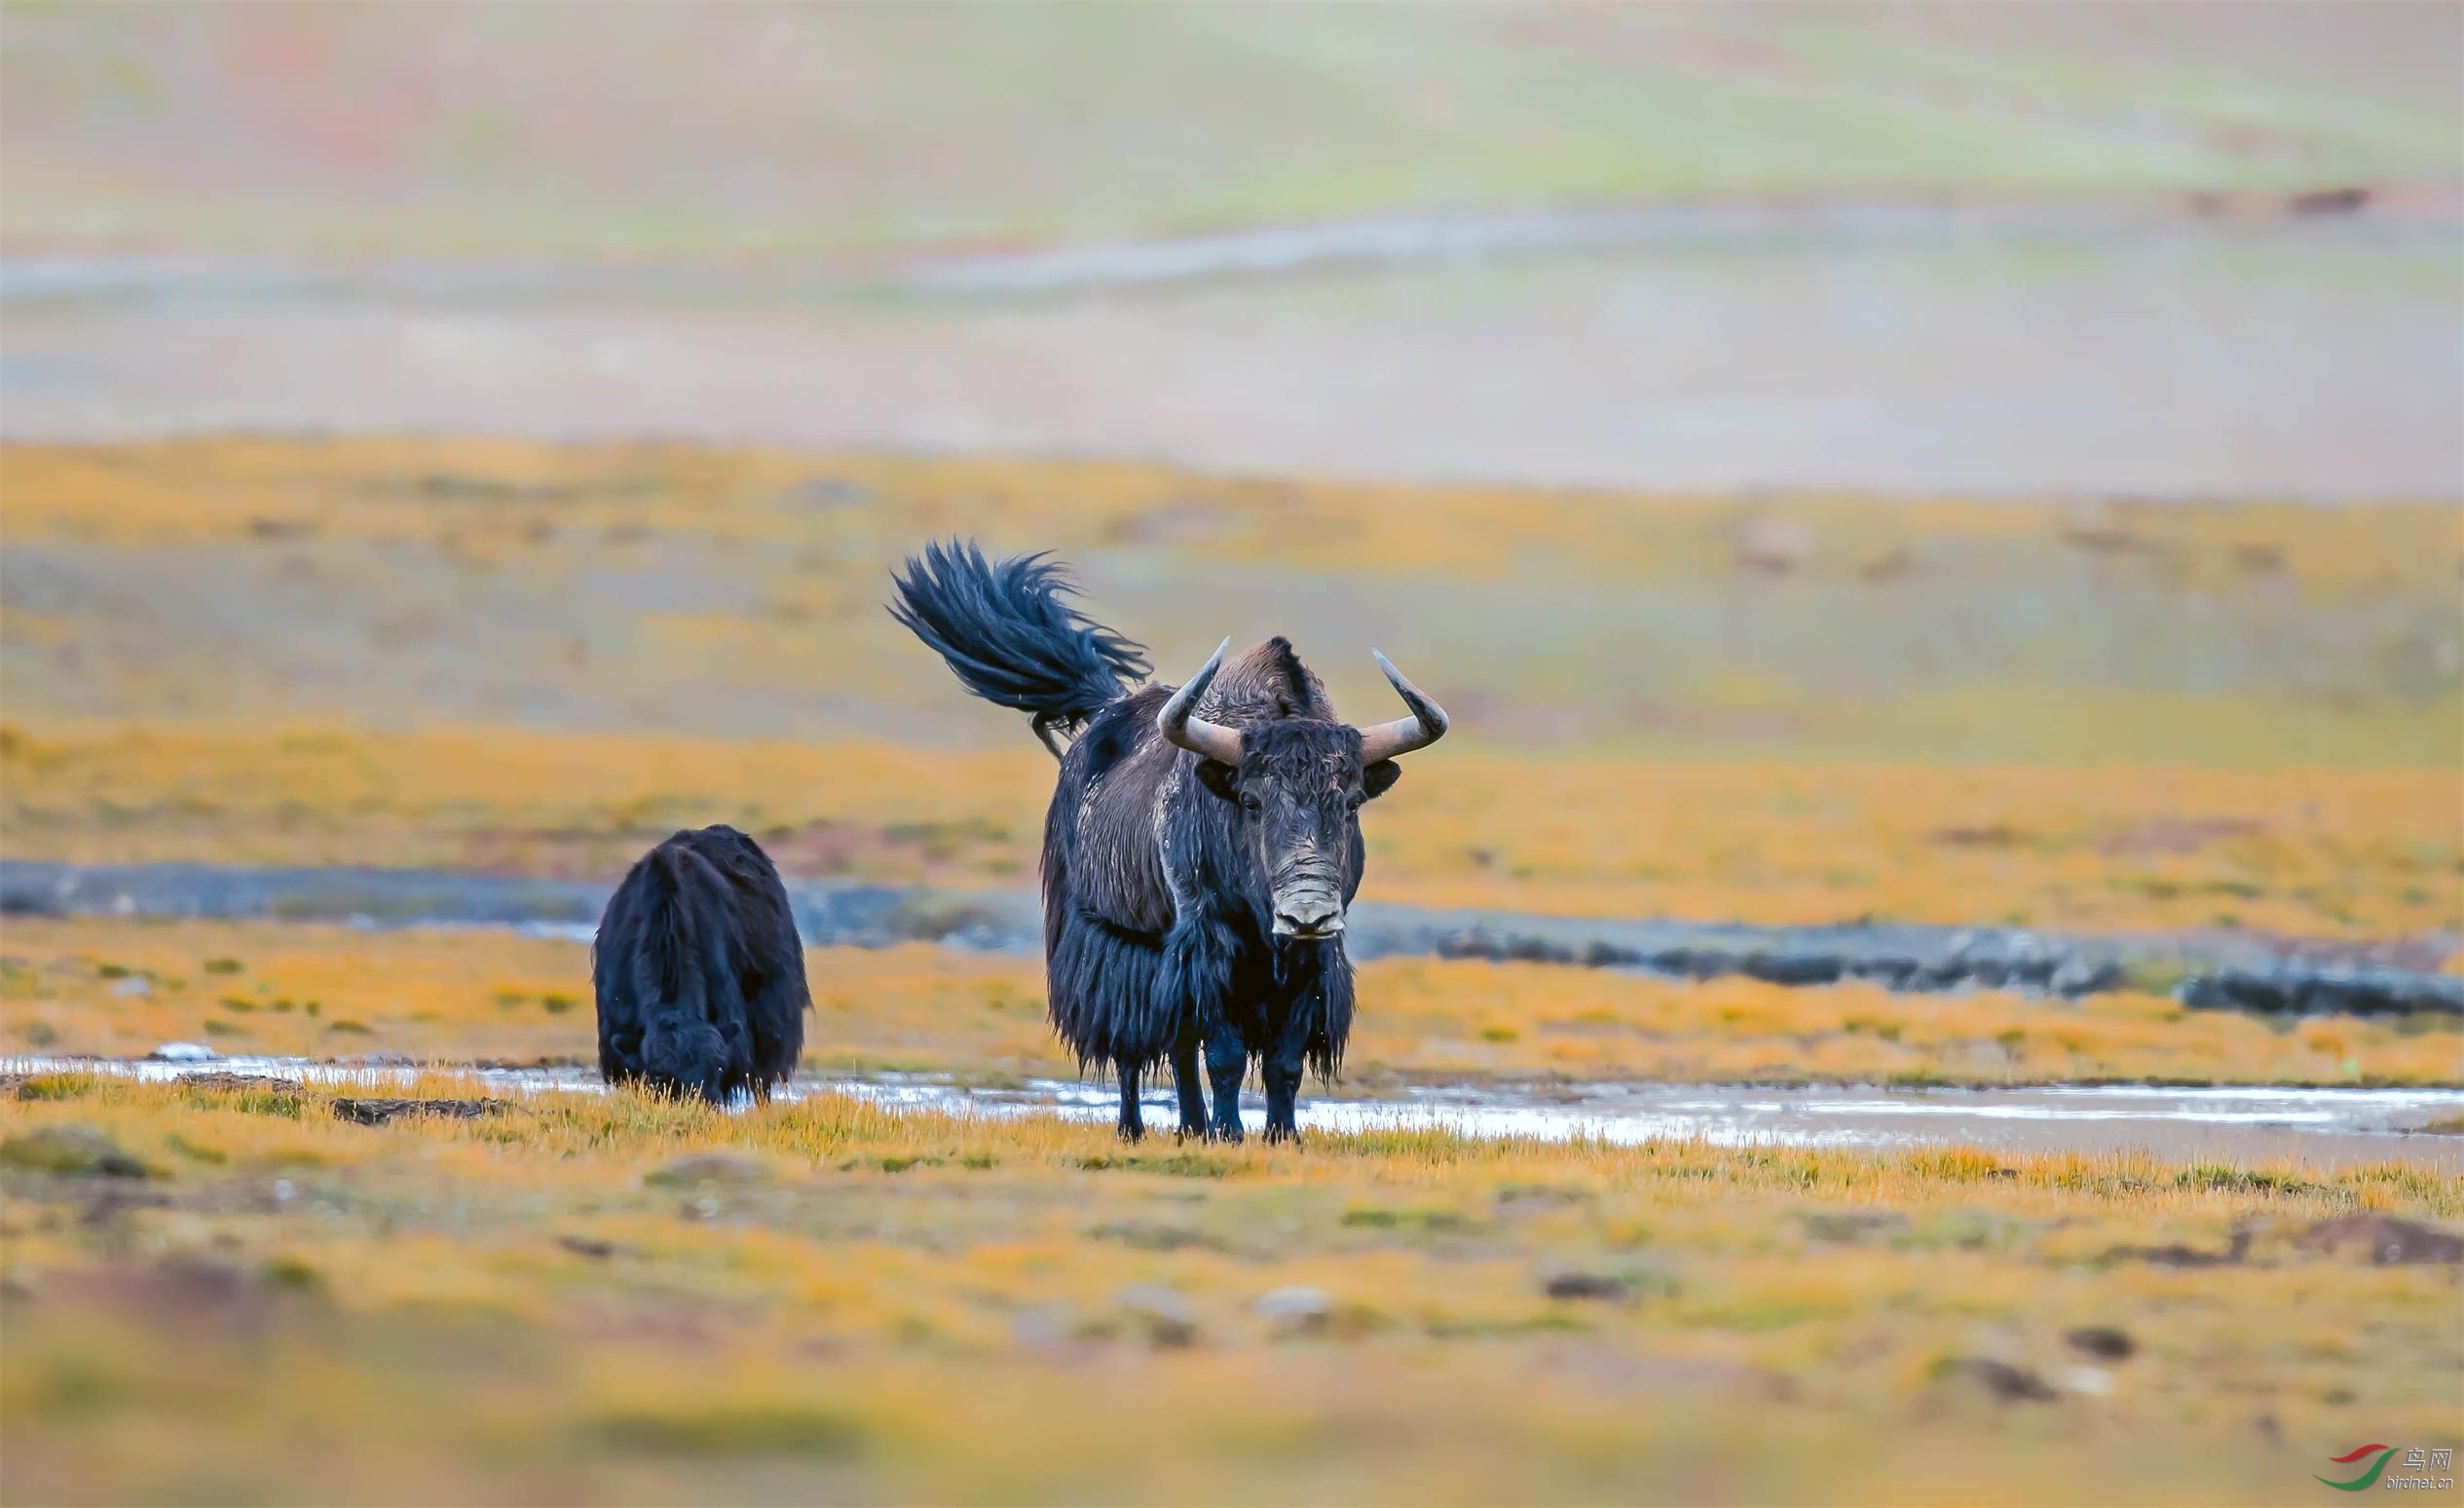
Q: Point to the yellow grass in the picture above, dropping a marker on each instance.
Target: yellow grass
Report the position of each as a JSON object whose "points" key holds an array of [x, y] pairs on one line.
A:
{"points": [[120, 989], [874, 1305]]}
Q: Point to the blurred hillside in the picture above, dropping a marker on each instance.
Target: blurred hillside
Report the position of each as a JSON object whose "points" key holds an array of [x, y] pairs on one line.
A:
{"points": [[2211, 250], [658, 130]]}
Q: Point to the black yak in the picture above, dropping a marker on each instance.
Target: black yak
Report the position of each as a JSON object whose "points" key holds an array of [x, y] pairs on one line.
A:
{"points": [[698, 970], [1202, 845]]}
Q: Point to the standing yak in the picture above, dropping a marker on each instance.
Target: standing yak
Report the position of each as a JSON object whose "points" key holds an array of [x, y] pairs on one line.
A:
{"points": [[699, 973], [1202, 845]]}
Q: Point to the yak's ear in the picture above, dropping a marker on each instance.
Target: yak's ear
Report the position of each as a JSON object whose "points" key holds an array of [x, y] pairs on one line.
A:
{"points": [[1221, 778], [1380, 778]]}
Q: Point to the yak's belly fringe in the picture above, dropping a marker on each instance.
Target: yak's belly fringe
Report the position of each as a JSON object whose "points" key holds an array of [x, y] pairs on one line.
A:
{"points": [[1101, 984]]}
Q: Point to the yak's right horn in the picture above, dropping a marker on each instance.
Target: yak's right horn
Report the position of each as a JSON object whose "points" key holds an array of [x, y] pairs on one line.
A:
{"points": [[1195, 734]]}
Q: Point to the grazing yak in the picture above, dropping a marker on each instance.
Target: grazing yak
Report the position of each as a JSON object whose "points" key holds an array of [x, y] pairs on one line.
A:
{"points": [[1202, 845], [698, 970]]}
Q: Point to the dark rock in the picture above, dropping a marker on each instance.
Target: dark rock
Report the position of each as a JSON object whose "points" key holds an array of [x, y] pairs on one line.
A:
{"points": [[2001, 1381], [1794, 968], [2311, 989], [377, 1112], [2334, 201], [2105, 1343], [2180, 1256], [70, 1152], [1598, 1286], [2385, 1239]]}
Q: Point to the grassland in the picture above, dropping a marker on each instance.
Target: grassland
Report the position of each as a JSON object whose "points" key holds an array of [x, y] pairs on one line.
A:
{"points": [[618, 1298], [119, 989], [539, 659]]}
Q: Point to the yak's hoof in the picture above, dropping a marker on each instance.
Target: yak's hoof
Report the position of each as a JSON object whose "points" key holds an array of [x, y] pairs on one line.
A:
{"points": [[1280, 1134], [1130, 1133], [1230, 1136], [1192, 1134]]}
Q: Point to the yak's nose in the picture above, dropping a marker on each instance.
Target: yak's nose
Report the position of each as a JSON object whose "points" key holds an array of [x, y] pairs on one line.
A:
{"points": [[1309, 918]]}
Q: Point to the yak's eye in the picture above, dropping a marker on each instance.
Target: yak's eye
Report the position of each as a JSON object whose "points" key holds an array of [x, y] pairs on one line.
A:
{"points": [[1353, 802], [1252, 804]]}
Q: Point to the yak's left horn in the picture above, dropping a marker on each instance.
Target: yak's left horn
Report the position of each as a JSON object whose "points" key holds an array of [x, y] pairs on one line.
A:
{"points": [[1424, 726], [1195, 734]]}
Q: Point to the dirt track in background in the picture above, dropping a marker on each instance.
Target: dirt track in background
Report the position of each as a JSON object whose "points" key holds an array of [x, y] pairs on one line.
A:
{"points": [[1928, 353]]}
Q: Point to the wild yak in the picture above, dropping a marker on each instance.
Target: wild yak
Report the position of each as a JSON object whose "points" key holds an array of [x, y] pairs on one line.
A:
{"points": [[698, 970], [1202, 846]]}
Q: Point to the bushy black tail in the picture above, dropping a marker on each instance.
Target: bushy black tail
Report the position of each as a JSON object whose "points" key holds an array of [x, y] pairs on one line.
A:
{"points": [[1010, 637]]}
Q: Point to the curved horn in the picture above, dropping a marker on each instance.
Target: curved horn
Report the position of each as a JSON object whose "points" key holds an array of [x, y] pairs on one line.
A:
{"points": [[1424, 726], [1195, 734]]}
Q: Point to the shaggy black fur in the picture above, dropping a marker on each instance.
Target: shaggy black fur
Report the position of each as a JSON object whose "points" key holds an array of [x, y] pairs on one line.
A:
{"points": [[1159, 865], [1011, 638], [699, 973]]}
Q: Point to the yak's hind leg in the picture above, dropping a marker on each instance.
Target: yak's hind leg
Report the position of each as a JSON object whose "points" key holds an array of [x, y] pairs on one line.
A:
{"points": [[1101, 987], [1193, 1098], [1132, 1126]]}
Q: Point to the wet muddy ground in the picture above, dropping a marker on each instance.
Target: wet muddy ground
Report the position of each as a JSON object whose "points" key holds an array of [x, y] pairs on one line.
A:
{"points": [[2237, 1127]]}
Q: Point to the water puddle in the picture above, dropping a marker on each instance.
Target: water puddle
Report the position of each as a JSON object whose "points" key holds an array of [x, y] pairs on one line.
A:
{"points": [[2235, 1125]]}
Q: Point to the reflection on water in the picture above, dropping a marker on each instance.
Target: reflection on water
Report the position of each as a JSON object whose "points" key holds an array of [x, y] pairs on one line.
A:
{"points": [[2331, 1127]]}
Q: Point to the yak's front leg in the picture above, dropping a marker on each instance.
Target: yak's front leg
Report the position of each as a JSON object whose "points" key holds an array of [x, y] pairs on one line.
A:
{"points": [[1227, 1060], [1192, 991], [1283, 1058], [1132, 1125]]}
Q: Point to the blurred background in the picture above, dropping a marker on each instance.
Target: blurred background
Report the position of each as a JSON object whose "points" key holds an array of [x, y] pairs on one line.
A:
{"points": [[1992, 467], [2008, 249], [1624, 315]]}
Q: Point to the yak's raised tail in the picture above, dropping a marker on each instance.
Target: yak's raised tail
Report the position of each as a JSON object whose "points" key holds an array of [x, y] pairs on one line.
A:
{"points": [[1007, 631]]}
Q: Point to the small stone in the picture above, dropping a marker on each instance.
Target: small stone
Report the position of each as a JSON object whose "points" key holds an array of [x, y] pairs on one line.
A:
{"points": [[1170, 1319], [1043, 1328], [182, 1052], [80, 1150], [135, 985], [1295, 1311], [726, 1169], [2003, 1381], [2089, 1381], [1851, 1226], [2103, 1342]]}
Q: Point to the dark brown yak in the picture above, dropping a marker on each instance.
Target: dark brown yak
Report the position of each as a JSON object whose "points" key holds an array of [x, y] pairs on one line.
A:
{"points": [[1202, 843]]}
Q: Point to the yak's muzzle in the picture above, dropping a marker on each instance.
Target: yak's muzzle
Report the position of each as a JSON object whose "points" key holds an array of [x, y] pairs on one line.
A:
{"points": [[1308, 916]]}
